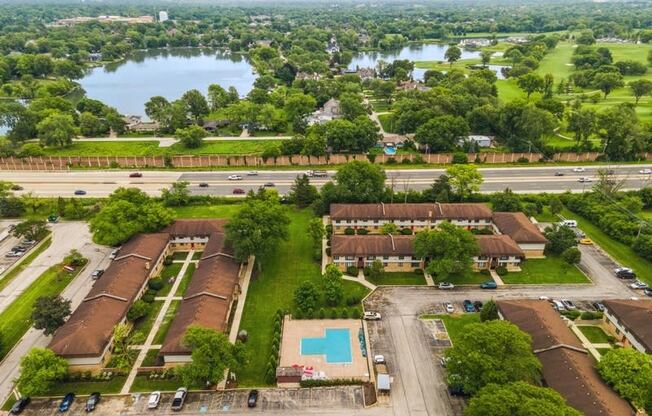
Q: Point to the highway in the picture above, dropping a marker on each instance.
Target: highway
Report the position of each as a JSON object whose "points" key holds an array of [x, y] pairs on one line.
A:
{"points": [[519, 179]]}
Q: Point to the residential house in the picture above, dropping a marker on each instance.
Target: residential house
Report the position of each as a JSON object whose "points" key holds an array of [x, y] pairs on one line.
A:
{"points": [[566, 366], [212, 126], [630, 321], [475, 43], [366, 73], [330, 111], [135, 124], [308, 76], [412, 85], [527, 235], [476, 140]]}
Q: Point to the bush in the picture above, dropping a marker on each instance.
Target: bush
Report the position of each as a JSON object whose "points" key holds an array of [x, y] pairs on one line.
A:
{"points": [[328, 251], [418, 160], [572, 315], [485, 272], [406, 231], [168, 260], [501, 270], [352, 271], [522, 160], [356, 313], [362, 231], [588, 315], [418, 271], [349, 231], [353, 300], [406, 161], [344, 314], [572, 255], [147, 298], [332, 313], [297, 314], [138, 310], [155, 284], [322, 313], [329, 229], [460, 159], [390, 161], [366, 271]]}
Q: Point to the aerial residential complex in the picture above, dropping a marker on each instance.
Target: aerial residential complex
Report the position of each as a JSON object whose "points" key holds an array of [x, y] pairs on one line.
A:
{"points": [[630, 321]]}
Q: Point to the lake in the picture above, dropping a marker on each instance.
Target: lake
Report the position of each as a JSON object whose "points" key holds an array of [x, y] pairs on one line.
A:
{"points": [[127, 85]]}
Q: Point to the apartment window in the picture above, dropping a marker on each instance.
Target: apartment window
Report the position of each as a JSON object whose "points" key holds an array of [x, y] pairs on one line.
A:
{"points": [[504, 257], [401, 257], [375, 221], [416, 264], [336, 257], [370, 258], [350, 258]]}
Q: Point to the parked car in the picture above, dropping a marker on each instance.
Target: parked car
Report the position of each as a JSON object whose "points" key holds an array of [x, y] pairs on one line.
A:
{"points": [[114, 253], [97, 273], [579, 234], [585, 179], [557, 304], [622, 269], [203, 185], [580, 169], [28, 242], [599, 306], [154, 400], [568, 304], [446, 285], [586, 241], [235, 177], [477, 305], [559, 173], [379, 359], [372, 316], [648, 291], [645, 171], [92, 401], [135, 175], [179, 399], [568, 223], [252, 173], [468, 306], [20, 405], [489, 284], [14, 254], [626, 274], [638, 285], [544, 297], [252, 399], [269, 185], [80, 192], [443, 361], [449, 307], [66, 402]]}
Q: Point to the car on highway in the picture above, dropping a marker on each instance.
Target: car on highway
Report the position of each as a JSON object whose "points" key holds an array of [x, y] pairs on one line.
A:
{"points": [[379, 359], [372, 316], [97, 273], [154, 399], [638, 285], [568, 304], [468, 306], [580, 169], [449, 307], [446, 285], [477, 305], [586, 242], [92, 401], [252, 173], [585, 179], [179, 399], [235, 177], [645, 171], [20, 405], [252, 399], [489, 284], [66, 402], [80, 192], [203, 185], [559, 173], [269, 185], [238, 191], [135, 175]]}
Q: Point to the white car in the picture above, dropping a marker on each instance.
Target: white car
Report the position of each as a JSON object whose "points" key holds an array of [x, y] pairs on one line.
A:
{"points": [[579, 170], [379, 359], [449, 307], [252, 173], [645, 171], [154, 400], [638, 285], [372, 316], [235, 177], [543, 297], [623, 270], [585, 179], [446, 285]]}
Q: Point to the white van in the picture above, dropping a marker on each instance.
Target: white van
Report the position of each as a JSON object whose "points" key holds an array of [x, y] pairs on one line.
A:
{"points": [[569, 223]]}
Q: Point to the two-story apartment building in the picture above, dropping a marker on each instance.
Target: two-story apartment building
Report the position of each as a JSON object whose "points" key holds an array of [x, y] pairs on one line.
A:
{"points": [[517, 225], [630, 321]]}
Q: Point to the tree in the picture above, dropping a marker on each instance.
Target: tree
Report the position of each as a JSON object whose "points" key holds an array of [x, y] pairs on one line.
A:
{"points": [[316, 231], [530, 83], [556, 206], [306, 297], [333, 290], [157, 108], [196, 103], [443, 133], [548, 84], [258, 227], [376, 270], [302, 193], [360, 182], [491, 352], [583, 122], [49, 313], [344, 135], [608, 184], [389, 228], [619, 131], [485, 57], [299, 105], [90, 125], [506, 201], [572, 255], [560, 238], [138, 310], [212, 354], [629, 372], [489, 311], [464, 179], [585, 38], [32, 229], [640, 87], [351, 106], [40, 370], [452, 54], [56, 130], [177, 195], [518, 398], [191, 137], [607, 82], [449, 248], [122, 355]]}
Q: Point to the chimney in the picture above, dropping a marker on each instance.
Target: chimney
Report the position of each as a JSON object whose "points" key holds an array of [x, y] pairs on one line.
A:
{"points": [[146, 265]]}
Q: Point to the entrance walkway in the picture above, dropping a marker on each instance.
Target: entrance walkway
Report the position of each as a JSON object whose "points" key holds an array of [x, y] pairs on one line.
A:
{"points": [[157, 324], [360, 279]]}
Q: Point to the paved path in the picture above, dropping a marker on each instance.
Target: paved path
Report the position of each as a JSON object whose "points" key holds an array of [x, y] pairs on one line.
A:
{"points": [[78, 237], [147, 345], [585, 342], [360, 280], [244, 285]]}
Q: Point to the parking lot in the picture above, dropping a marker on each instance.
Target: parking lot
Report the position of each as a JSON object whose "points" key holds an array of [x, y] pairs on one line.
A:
{"points": [[6, 246], [345, 399]]}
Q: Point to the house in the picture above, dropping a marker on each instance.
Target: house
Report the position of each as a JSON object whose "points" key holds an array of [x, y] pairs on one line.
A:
{"points": [[332, 47], [520, 229], [212, 125], [566, 365], [475, 43], [630, 321], [264, 42], [330, 111], [415, 216], [308, 76], [412, 85], [94, 57], [366, 73], [135, 124], [516, 39], [477, 141]]}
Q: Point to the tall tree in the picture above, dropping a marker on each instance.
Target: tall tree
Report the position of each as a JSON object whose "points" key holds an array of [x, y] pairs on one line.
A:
{"points": [[56, 130], [443, 133], [31, 229], [485, 57], [620, 132], [629, 372], [302, 193], [530, 83], [559, 238], [360, 182], [177, 195], [607, 82], [449, 248], [464, 179], [191, 137], [583, 122], [452, 54], [40, 370], [196, 104], [489, 311], [49, 313], [640, 87], [506, 201]]}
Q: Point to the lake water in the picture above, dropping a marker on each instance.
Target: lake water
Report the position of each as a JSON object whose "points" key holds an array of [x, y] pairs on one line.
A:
{"points": [[129, 84]]}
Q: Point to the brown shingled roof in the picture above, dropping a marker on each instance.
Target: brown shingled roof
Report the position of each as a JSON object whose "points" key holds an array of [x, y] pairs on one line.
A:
{"points": [[636, 315], [195, 228], [369, 245], [519, 227], [420, 211], [566, 367], [498, 245]]}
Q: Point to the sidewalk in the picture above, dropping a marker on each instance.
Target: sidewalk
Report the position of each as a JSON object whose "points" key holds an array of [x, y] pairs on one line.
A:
{"points": [[360, 279]]}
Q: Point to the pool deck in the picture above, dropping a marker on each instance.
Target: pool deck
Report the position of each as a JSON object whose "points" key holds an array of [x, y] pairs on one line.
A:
{"points": [[295, 330]]}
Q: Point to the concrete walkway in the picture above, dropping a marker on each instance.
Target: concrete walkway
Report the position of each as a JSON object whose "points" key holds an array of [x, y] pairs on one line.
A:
{"points": [[244, 286], [360, 280], [585, 342], [144, 348], [496, 278], [429, 280]]}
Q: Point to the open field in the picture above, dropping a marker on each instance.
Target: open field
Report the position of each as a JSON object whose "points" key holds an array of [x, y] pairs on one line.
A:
{"points": [[551, 270], [206, 211], [455, 323], [399, 278]]}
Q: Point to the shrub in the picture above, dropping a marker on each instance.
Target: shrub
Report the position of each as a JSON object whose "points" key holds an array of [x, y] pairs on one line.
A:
{"points": [[329, 229], [138, 310], [168, 260], [147, 298], [406, 231], [328, 251], [501, 270], [572, 255], [459, 159], [155, 284], [353, 300], [390, 161], [418, 160], [356, 313], [349, 231], [406, 161], [522, 160], [572, 315], [310, 313], [332, 313], [352, 271], [418, 271], [366, 271], [316, 254], [588, 315], [322, 313], [344, 314], [297, 314], [362, 231]]}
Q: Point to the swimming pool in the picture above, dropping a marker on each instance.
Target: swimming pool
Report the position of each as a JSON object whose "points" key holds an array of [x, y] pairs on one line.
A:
{"points": [[335, 345]]}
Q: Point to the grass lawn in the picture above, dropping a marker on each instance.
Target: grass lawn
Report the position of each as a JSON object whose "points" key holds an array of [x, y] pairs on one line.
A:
{"points": [[230, 147], [380, 105], [167, 321], [399, 278], [87, 387], [546, 216], [470, 278], [595, 334], [24, 262], [387, 122], [151, 358], [145, 385], [207, 211], [455, 323], [17, 318], [551, 270], [144, 324], [185, 280], [180, 255], [197, 255], [168, 272], [619, 251]]}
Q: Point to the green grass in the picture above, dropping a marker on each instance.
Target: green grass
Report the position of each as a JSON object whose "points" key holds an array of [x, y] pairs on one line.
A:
{"points": [[231, 147], [595, 334], [619, 251], [180, 255], [207, 211], [455, 323], [168, 272], [387, 122], [144, 324], [197, 255], [546, 216], [87, 387], [551, 270], [167, 321], [399, 278], [469, 278], [150, 358], [17, 318], [25, 262], [185, 280], [145, 385], [603, 351]]}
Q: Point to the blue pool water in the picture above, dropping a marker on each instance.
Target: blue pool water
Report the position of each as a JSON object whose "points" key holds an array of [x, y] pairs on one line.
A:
{"points": [[335, 345], [389, 150]]}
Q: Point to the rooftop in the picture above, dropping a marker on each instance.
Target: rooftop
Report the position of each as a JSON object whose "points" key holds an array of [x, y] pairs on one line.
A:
{"points": [[519, 227], [636, 315], [417, 211]]}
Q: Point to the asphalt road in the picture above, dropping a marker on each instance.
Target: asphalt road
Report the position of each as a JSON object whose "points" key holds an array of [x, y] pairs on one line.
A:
{"points": [[102, 183]]}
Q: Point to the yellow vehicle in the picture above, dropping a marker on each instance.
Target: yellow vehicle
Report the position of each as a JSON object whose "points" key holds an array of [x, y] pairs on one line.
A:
{"points": [[586, 241]]}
